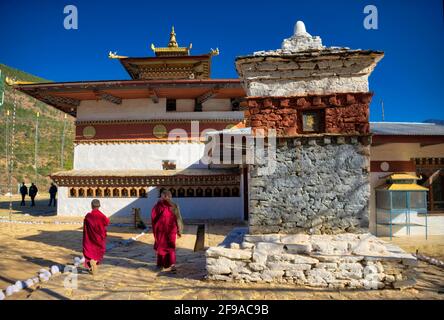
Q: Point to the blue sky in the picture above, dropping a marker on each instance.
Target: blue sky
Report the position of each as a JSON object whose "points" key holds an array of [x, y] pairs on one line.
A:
{"points": [[410, 79]]}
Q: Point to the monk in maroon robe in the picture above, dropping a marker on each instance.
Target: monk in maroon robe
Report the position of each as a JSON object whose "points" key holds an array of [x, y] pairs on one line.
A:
{"points": [[165, 228], [94, 236]]}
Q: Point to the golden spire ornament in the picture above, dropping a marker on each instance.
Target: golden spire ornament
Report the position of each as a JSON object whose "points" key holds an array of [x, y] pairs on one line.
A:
{"points": [[173, 42], [172, 49]]}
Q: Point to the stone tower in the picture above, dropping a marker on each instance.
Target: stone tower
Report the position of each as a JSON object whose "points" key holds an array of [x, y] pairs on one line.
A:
{"points": [[317, 99]]}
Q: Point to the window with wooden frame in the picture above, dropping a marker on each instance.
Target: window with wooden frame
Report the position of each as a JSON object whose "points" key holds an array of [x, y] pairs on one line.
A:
{"points": [[170, 105], [431, 171]]}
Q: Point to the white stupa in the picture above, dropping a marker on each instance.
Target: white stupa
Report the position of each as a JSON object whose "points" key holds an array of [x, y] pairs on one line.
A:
{"points": [[302, 40]]}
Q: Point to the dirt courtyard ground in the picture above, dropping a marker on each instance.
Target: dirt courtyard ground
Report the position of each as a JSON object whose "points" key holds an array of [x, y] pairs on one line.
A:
{"points": [[128, 271]]}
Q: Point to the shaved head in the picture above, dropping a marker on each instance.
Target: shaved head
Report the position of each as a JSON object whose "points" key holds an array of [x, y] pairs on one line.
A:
{"points": [[95, 204], [166, 194]]}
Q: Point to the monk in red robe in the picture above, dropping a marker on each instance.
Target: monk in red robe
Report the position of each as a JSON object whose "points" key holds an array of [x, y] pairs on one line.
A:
{"points": [[94, 236], [166, 225]]}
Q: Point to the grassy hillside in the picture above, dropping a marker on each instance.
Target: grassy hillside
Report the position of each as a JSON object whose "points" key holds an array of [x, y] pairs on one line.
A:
{"points": [[50, 128]]}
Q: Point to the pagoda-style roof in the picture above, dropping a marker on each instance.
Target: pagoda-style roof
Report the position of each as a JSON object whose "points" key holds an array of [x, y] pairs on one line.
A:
{"points": [[401, 181], [168, 67], [66, 96], [170, 63]]}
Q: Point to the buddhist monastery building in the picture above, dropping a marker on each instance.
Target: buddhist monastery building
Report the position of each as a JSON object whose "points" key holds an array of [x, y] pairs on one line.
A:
{"points": [[136, 137]]}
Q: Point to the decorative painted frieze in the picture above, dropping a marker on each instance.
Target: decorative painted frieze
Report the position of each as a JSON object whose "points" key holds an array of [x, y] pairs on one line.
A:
{"points": [[150, 130]]}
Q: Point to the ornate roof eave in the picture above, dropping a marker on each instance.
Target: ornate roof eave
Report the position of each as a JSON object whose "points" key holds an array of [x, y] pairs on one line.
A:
{"points": [[51, 93], [190, 177]]}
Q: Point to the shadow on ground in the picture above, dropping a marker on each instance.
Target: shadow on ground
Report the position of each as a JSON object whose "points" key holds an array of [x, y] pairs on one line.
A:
{"points": [[134, 255], [41, 208]]}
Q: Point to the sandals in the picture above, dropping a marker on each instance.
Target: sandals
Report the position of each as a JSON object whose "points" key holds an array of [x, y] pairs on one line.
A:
{"points": [[171, 269], [93, 269]]}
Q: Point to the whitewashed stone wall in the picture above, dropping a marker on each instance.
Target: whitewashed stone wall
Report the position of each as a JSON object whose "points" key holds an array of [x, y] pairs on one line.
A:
{"points": [[318, 186], [359, 261], [137, 156], [297, 74]]}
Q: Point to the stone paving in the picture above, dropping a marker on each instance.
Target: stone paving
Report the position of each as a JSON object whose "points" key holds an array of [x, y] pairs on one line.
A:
{"points": [[128, 272]]}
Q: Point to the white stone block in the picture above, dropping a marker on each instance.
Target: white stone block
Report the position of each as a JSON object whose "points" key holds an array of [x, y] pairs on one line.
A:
{"points": [[241, 269], [330, 247], [234, 245], [55, 270], [270, 275], [259, 257], [299, 274], [372, 285], [375, 277], [348, 274], [19, 285], [324, 274], [305, 248], [273, 238], [10, 290], [288, 266], [221, 265], [327, 265], [295, 239], [294, 258], [351, 266], [269, 248], [371, 247], [247, 245], [235, 254], [256, 266], [371, 269]]}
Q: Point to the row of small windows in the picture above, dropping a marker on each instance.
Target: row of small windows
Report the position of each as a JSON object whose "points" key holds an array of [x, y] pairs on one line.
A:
{"points": [[429, 161], [108, 192], [171, 105], [179, 192], [203, 192]]}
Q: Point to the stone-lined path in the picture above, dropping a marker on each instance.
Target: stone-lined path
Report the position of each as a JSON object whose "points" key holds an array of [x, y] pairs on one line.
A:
{"points": [[129, 272]]}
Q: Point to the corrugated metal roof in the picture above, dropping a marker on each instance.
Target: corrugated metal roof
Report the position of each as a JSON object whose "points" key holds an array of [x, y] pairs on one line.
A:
{"points": [[378, 128], [406, 129]]}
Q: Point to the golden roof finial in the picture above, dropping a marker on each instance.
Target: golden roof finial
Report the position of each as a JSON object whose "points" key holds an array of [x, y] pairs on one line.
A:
{"points": [[12, 82], [173, 42], [214, 52], [114, 55], [173, 48]]}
